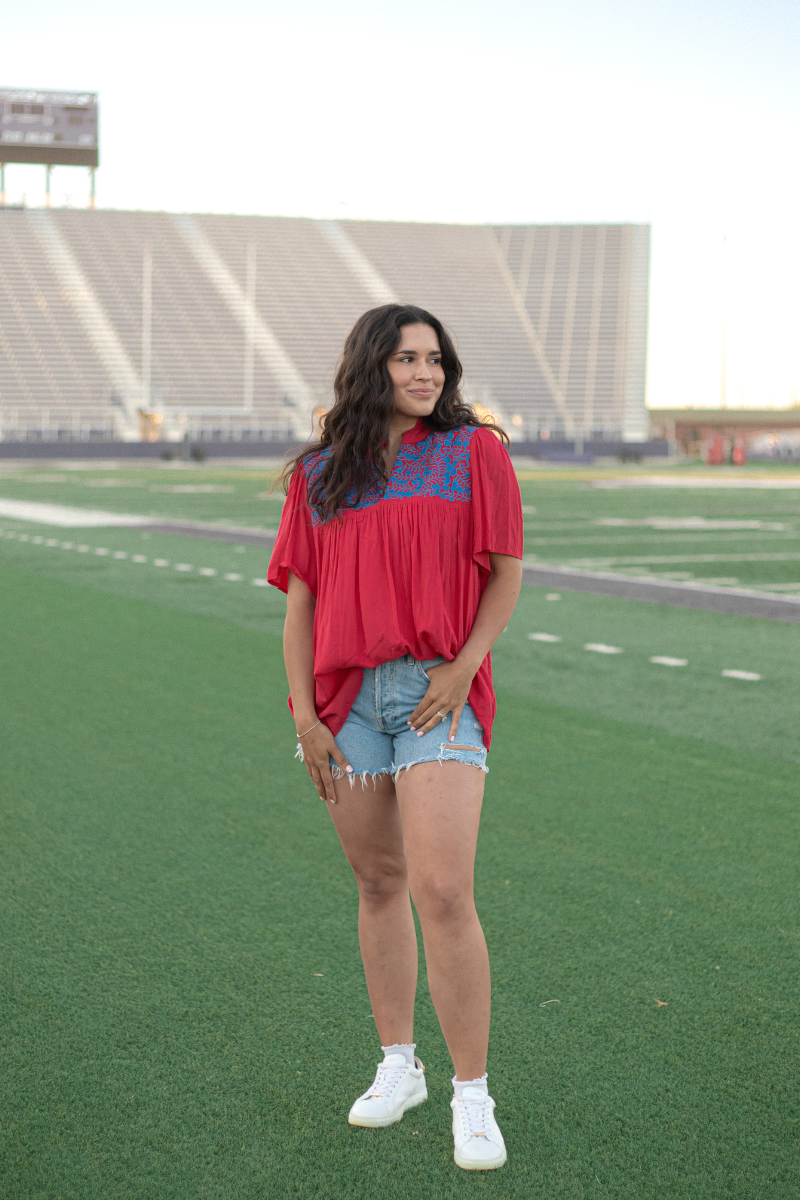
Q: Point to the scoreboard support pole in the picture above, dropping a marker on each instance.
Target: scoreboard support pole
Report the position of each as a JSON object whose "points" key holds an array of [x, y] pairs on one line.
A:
{"points": [[47, 173], [2, 185], [91, 187]]}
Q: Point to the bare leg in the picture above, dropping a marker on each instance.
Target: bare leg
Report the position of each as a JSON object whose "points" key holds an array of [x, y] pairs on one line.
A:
{"points": [[440, 806], [367, 821]]}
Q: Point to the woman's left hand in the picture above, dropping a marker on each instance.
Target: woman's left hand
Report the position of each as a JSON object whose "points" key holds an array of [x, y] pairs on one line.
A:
{"points": [[448, 692]]}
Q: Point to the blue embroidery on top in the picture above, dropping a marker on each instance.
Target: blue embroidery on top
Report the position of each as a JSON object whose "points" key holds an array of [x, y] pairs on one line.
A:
{"points": [[436, 466]]}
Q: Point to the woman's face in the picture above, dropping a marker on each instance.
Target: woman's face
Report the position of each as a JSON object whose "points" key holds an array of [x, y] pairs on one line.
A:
{"points": [[416, 371]]}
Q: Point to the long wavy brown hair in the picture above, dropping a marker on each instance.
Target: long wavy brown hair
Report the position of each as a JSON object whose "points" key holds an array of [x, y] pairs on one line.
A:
{"points": [[356, 429]]}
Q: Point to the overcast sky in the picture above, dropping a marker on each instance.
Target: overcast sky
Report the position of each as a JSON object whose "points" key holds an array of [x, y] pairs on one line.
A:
{"points": [[683, 114]]}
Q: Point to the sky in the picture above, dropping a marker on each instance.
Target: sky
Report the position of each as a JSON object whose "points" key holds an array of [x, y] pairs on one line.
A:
{"points": [[684, 115]]}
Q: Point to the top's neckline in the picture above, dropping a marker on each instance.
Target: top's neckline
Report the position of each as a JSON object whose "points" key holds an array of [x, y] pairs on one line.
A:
{"points": [[417, 434]]}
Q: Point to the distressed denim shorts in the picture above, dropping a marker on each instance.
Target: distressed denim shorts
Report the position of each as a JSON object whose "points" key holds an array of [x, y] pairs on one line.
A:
{"points": [[376, 738]]}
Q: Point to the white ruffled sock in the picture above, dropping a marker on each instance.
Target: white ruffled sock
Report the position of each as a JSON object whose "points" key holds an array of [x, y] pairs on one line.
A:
{"points": [[481, 1084], [406, 1051]]}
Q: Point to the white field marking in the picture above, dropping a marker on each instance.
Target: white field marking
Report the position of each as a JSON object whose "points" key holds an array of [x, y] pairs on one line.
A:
{"points": [[206, 571], [663, 537], [51, 542], [780, 587], [544, 637], [553, 596], [689, 523], [83, 549], [102, 550], [37, 541], [719, 580], [260, 583], [67, 545], [160, 562], [120, 554], [601, 648], [110, 483], [665, 661], [662, 559], [233, 577], [60, 514], [204, 488], [139, 558], [529, 510], [696, 481], [740, 675], [23, 537], [183, 567], [20, 478]]}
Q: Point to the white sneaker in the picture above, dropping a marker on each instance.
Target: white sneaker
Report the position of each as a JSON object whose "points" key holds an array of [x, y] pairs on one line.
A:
{"points": [[478, 1141], [397, 1087]]}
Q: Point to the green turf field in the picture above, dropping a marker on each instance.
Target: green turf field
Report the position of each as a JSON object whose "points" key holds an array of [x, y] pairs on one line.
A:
{"points": [[185, 1014], [746, 537]]}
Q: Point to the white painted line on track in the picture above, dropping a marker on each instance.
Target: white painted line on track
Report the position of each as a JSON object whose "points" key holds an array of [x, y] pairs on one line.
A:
{"points": [[102, 550], [138, 558], [232, 577], [601, 648], [740, 675], [120, 554], [207, 571], [160, 562], [183, 567], [260, 583], [553, 596], [665, 661], [83, 549], [544, 637]]}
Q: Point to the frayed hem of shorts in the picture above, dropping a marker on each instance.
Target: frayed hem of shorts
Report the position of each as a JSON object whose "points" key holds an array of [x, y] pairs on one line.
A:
{"points": [[351, 776], [446, 754]]}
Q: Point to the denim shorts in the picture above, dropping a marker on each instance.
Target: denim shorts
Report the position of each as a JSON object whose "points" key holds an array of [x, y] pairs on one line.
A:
{"points": [[376, 738]]}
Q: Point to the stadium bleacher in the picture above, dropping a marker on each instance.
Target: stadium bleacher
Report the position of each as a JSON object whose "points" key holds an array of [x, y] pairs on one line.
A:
{"points": [[249, 315]]}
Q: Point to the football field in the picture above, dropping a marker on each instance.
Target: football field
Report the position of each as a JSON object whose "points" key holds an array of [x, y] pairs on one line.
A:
{"points": [[185, 1016]]}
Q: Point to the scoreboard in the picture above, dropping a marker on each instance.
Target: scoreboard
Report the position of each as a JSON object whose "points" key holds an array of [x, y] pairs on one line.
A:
{"points": [[51, 128]]}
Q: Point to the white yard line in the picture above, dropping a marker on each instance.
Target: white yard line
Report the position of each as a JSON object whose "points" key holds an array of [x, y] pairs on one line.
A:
{"points": [[698, 481], [65, 516], [122, 555], [659, 559], [661, 539]]}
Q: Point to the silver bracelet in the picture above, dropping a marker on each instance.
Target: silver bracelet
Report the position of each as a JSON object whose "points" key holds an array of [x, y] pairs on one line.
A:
{"points": [[314, 726]]}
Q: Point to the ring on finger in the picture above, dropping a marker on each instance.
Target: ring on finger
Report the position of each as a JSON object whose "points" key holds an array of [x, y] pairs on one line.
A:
{"points": [[441, 714]]}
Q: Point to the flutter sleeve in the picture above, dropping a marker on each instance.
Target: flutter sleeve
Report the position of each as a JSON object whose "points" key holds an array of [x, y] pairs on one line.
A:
{"points": [[496, 501], [294, 549]]}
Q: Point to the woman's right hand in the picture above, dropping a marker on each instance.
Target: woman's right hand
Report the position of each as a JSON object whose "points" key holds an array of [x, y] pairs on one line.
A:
{"points": [[319, 747]]}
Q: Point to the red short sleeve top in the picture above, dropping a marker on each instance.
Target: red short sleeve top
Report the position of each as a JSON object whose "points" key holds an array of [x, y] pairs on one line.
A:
{"points": [[403, 572]]}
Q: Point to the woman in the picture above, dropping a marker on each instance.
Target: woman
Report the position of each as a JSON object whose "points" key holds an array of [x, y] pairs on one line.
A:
{"points": [[399, 550]]}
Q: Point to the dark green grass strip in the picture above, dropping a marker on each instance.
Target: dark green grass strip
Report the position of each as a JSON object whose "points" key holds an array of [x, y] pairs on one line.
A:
{"points": [[171, 889]]}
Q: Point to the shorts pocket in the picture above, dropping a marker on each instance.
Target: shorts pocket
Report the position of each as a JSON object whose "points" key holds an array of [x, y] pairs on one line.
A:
{"points": [[422, 671]]}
